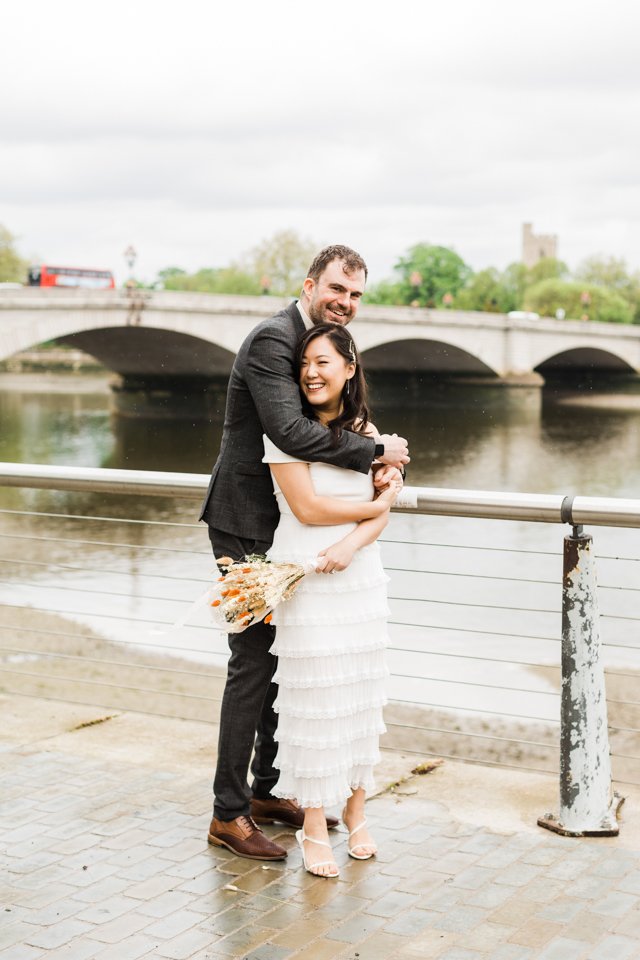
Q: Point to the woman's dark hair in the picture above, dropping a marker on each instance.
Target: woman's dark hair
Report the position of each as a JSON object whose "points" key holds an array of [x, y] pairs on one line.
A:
{"points": [[355, 396]]}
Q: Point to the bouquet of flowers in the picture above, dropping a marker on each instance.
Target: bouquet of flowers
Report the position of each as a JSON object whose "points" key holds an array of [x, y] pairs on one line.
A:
{"points": [[248, 590]]}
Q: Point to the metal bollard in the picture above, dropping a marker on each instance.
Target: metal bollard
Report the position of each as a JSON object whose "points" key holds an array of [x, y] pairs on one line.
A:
{"points": [[588, 805]]}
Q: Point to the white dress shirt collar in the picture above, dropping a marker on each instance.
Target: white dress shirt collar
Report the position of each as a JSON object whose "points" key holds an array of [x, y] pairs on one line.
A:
{"points": [[308, 322]]}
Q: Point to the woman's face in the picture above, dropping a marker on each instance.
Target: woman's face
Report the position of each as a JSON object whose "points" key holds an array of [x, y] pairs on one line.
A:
{"points": [[323, 374]]}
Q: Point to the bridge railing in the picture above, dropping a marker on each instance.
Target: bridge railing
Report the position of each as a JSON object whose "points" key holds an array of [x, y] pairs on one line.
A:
{"points": [[100, 578]]}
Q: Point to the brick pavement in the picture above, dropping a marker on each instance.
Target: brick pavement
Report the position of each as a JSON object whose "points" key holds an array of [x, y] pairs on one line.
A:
{"points": [[105, 856]]}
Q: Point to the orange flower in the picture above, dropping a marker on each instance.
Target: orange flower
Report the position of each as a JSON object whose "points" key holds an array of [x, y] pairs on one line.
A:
{"points": [[246, 569], [268, 618], [216, 603], [225, 593], [220, 579]]}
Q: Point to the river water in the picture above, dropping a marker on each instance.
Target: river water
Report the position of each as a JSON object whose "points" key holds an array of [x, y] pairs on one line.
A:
{"points": [[485, 591]]}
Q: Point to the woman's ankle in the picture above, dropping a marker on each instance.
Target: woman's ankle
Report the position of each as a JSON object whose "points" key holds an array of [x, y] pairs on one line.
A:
{"points": [[315, 823]]}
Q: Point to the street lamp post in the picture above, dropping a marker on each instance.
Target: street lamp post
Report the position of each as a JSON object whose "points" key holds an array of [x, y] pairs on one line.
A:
{"points": [[130, 256]]}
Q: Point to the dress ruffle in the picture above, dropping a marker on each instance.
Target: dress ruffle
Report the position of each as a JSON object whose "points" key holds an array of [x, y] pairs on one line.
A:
{"points": [[331, 671], [323, 791], [329, 640], [327, 703]]}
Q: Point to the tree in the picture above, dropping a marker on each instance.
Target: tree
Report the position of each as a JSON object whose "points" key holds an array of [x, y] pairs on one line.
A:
{"points": [[280, 263], [386, 292], [578, 300], [604, 272], [428, 273], [548, 268], [611, 272], [166, 276], [210, 280], [515, 280], [486, 291], [13, 269]]}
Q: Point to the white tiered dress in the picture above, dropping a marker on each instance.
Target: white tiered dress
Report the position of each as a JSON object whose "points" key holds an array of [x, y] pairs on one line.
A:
{"points": [[330, 643]]}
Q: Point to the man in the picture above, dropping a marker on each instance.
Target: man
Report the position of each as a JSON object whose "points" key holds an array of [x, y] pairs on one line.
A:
{"points": [[242, 514]]}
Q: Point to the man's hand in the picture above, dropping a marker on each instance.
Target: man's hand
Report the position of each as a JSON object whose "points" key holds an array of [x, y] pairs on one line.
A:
{"points": [[384, 475], [396, 450]]}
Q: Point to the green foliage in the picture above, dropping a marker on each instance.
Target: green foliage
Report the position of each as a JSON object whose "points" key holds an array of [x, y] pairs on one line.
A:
{"points": [[604, 272], [486, 291], [428, 273], [548, 268], [170, 273], [280, 263], [515, 280], [603, 304], [386, 292], [13, 269], [612, 273], [210, 280]]}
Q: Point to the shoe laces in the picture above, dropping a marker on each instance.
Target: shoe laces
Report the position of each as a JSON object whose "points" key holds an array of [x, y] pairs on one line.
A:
{"points": [[249, 824]]}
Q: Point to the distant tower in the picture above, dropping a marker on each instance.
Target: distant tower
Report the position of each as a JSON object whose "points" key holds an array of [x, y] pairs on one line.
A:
{"points": [[537, 246]]}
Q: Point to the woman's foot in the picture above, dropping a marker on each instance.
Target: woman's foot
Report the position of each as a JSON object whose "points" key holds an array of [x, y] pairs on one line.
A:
{"points": [[360, 844], [314, 855]]}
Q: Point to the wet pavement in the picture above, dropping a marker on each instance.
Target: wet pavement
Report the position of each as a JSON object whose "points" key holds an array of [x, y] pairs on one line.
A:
{"points": [[104, 819]]}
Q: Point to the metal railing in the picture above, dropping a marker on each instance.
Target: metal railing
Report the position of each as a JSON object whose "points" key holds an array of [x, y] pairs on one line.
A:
{"points": [[95, 575]]}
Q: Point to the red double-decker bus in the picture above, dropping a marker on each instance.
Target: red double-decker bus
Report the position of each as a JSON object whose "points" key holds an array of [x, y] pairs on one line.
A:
{"points": [[47, 276]]}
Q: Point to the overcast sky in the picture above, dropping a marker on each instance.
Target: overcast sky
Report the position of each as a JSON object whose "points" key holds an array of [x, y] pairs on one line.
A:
{"points": [[193, 130]]}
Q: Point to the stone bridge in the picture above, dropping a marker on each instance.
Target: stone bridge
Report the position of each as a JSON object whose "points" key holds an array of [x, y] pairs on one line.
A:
{"points": [[158, 337]]}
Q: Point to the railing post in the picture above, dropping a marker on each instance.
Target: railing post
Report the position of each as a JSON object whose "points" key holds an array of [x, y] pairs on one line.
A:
{"points": [[588, 805]]}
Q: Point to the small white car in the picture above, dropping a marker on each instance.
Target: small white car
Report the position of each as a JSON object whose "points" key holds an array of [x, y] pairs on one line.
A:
{"points": [[523, 315]]}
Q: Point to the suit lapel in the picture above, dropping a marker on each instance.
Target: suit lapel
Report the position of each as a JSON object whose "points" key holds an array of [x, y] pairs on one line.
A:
{"points": [[293, 312]]}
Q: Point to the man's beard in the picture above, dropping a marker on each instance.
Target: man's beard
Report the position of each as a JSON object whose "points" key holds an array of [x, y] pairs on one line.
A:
{"points": [[321, 315]]}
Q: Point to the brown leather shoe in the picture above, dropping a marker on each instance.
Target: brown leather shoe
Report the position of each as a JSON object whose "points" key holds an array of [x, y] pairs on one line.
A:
{"points": [[245, 839], [273, 810]]}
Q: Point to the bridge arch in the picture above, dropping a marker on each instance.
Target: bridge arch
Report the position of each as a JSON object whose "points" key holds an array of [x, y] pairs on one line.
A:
{"points": [[424, 355], [582, 359], [152, 352]]}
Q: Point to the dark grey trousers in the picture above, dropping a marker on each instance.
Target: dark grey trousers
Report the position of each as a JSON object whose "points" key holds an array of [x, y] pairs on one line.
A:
{"points": [[247, 718]]}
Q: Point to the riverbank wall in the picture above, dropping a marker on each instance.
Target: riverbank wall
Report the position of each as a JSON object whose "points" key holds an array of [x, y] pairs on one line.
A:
{"points": [[55, 359]]}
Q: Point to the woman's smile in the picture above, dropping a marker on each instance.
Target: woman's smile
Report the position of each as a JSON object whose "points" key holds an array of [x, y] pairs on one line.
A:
{"points": [[323, 375]]}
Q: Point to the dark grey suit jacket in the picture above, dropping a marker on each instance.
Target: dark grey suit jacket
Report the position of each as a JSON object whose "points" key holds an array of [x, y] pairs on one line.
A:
{"points": [[263, 397]]}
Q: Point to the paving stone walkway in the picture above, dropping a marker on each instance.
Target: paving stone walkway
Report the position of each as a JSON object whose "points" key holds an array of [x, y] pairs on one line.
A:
{"points": [[105, 857]]}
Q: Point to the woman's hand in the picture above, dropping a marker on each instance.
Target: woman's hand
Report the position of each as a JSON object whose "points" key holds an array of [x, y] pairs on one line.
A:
{"points": [[336, 557], [389, 494], [383, 476]]}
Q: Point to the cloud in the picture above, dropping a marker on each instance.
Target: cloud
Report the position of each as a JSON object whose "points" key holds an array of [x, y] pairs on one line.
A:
{"points": [[196, 130]]}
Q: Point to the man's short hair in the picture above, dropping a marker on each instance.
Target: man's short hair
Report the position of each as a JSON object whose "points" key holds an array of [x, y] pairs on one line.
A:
{"points": [[351, 261]]}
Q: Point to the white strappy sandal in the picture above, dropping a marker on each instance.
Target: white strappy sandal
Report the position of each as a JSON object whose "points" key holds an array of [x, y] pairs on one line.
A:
{"points": [[351, 849], [312, 867]]}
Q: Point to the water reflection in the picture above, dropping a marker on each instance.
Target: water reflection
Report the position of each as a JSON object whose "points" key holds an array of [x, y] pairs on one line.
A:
{"points": [[460, 436]]}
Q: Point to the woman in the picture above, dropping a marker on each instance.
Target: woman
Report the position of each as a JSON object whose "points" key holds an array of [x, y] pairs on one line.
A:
{"points": [[331, 635]]}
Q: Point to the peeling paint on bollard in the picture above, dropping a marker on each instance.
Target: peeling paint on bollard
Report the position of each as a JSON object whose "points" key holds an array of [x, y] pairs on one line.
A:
{"points": [[588, 805]]}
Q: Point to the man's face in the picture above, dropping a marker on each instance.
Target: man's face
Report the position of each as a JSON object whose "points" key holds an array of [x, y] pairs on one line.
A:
{"points": [[335, 296]]}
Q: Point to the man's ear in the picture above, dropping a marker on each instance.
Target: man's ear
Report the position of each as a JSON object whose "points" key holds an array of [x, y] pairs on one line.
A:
{"points": [[308, 287]]}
